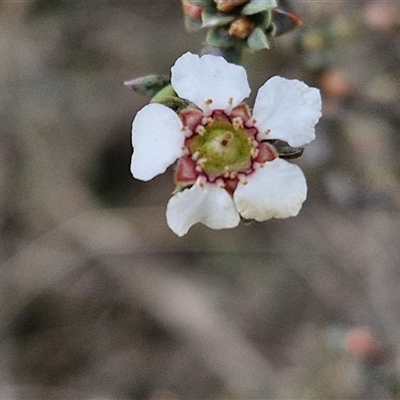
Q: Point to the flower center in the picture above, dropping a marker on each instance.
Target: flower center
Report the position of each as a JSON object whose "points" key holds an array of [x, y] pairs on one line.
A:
{"points": [[221, 148]]}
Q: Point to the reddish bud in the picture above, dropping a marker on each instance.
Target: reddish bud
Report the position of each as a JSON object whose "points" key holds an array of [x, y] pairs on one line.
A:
{"points": [[191, 10], [228, 5], [241, 28]]}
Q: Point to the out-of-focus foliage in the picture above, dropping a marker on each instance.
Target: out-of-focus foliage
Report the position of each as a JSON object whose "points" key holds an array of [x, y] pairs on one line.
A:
{"points": [[98, 299]]}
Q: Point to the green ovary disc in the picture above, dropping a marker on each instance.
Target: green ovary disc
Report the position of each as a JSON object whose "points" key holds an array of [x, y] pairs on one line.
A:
{"points": [[223, 148]]}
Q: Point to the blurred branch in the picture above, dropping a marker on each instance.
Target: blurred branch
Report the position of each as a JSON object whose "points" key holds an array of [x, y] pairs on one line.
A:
{"points": [[184, 308], [176, 302]]}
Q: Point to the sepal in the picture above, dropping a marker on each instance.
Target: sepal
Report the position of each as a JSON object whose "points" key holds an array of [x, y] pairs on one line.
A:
{"points": [[231, 53], [174, 103], [219, 37], [257, 6], [267, 19], [259, 39], [211, 18]]}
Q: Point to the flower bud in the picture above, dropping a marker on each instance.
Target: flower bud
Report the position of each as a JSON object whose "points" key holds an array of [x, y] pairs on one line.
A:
{"points": [[228, 5], [241, 28], [191, 10]]}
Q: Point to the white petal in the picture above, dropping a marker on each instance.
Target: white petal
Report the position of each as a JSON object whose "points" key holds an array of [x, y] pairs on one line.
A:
{"points": [[277, 190], [289, 109], [157, 139], [200, 79], [210, 205]]}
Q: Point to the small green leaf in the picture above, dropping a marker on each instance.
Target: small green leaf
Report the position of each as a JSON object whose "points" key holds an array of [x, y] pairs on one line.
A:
{"points": [[211, 18], [148, 85], [231, 54], [259, 40], [199, 3], [191, 24], [257, 6], [220, 37], [267, 18]]}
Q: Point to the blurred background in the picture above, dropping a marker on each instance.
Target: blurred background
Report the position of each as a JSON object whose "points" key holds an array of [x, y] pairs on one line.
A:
{"points": [[100, 300]]}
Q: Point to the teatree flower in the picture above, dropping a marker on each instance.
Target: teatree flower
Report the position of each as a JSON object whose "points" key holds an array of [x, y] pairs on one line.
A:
{"points": [[227, 168]]}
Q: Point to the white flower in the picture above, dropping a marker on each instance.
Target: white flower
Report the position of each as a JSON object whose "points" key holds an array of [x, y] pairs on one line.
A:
{"points": [[226, 166]]}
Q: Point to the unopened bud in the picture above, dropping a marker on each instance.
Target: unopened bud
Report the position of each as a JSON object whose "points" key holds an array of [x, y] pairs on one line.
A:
{"points": [[241, 28], [191, 10], [228, 5]]}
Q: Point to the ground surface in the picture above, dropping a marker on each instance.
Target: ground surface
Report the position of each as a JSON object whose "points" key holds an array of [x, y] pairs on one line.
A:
{"points": [[99, 300]]}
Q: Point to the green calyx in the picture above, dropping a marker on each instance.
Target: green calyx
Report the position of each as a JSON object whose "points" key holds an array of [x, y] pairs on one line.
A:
{"points": [[222, 148]]}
